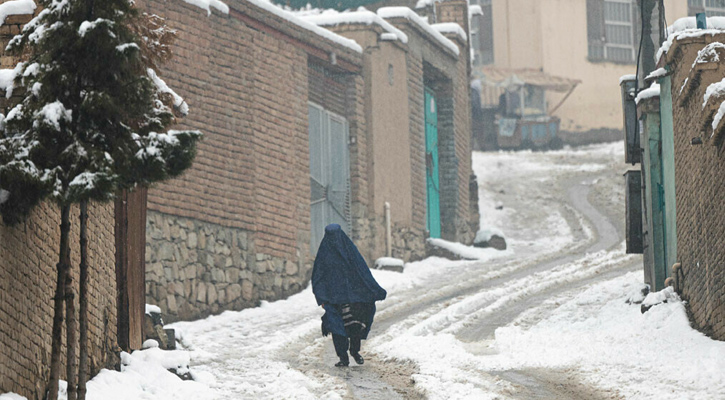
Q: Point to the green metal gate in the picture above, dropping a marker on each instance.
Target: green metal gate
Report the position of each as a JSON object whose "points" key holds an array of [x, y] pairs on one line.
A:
{"points": [[431, 162]]}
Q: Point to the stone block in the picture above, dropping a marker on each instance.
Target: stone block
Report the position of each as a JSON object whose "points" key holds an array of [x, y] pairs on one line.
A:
{"points": [[202, 241], [234, 291], [211, 294], [166, 251], [232, 275], [171, 303], [191, 240], [217, 275], [201, 292], [247, 290], [291, 268]]}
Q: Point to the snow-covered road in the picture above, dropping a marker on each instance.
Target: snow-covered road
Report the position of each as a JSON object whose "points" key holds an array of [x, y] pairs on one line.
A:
{"points": [[545, 319]]}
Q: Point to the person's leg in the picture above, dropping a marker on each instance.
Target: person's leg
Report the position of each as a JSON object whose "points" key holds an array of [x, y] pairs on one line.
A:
{"points": [[355, 349], [341, 344]]}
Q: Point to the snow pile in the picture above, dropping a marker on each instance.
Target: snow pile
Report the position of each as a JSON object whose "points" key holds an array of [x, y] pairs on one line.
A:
{"points": [[410, 15], [485, 234], [364, 17], [12, 396], [687, 28], [7, 77], [652, 91], [665, 295], [389, 263], [451, 28], [208, 4], [16, 7], [466, 252], [152, 309], [144, 375]]}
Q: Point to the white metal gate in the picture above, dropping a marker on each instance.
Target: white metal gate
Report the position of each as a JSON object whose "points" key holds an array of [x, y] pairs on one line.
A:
{"points": [[329, 173]]}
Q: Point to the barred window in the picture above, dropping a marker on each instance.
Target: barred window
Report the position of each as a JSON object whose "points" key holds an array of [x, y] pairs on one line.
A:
{"points": [[612, 30], [482, 33], [712, 8]]}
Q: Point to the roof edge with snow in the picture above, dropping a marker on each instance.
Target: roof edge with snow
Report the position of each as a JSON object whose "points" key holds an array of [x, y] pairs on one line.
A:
{"points": [[419, 23], [356, 18]]}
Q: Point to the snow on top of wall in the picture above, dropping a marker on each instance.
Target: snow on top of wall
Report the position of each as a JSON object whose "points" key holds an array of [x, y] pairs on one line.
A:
{"points": [[303, 23], [334, 18], [16, 7], [388, 262], [150, 308], [708, 54], [687, 28], [717, 89], [208, 4], [410, 15], [652, 91], [474, 9], [476, 85], [629, 77], [659, 72], [425, 3], [452, 28]]}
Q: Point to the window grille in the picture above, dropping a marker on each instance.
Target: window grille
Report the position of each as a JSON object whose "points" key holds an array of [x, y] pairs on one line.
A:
{"points": [[712, 8], [612, 30]]}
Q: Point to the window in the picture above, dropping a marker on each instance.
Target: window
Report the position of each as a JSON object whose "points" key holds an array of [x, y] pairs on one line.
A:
{"points": [[713, 8], [482, 34], [612, 30]]}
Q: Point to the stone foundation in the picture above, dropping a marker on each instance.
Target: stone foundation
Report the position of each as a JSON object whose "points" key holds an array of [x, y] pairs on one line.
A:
{"points": [[195, 268]]}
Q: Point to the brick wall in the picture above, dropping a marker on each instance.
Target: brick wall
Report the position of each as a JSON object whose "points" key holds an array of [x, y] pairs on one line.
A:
{"points": [[28, 254], [700, 189], [247, 77]]}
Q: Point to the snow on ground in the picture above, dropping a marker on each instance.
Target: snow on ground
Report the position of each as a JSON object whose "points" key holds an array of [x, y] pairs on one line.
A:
{"points": [[591, 332]]}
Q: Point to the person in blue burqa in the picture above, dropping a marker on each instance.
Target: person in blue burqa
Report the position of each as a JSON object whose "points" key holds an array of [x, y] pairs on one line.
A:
{"points": [[345, 288]]}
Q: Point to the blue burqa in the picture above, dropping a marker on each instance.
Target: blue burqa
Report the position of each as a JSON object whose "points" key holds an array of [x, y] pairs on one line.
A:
{"points": [[341, 276]]}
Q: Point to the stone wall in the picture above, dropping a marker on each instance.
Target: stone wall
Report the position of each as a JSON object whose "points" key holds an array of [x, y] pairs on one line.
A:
{"points": [[699, 187], [196, 268], [28, 255]]}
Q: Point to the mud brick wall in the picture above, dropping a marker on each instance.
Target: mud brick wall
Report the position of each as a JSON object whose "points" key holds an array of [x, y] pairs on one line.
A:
{"points": [[28, 255], [700, 190], [246, 77]]}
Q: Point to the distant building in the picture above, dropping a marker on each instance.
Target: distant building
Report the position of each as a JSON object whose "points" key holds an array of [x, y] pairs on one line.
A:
{"points": [[593, 42]]}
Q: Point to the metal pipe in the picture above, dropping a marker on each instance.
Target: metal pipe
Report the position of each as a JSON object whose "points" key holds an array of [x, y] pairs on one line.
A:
{"points": [[388, 234]]}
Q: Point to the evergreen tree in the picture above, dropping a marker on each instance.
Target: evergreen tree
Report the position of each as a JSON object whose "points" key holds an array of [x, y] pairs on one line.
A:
{"points": [[93, 119]]}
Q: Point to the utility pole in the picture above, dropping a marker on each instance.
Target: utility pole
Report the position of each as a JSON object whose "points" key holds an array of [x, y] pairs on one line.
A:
{"points": [[652, 18]]}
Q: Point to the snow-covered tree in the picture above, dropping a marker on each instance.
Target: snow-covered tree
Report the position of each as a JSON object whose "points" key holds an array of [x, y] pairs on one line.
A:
{"points": [[93, 118]]}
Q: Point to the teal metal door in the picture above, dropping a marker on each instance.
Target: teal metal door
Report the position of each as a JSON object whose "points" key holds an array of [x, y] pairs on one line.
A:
{"points": [[431, 165]]}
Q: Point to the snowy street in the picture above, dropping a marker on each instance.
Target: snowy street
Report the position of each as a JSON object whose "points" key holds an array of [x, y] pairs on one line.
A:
{"points": [[547, 318]]}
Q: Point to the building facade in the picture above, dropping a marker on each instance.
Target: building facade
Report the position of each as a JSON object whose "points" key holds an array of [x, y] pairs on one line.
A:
{"points": [[303, 128]]}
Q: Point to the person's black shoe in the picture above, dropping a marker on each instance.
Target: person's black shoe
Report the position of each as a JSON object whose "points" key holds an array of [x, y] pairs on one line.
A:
{"points": [[358, 358], [342, 363]]}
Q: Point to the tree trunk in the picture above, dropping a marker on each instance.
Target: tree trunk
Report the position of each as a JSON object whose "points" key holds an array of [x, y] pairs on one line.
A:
{"points": [[52, 386], [83, 365], [71, 331]]}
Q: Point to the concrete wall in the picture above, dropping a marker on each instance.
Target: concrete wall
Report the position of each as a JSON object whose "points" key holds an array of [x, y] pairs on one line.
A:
{"points": [[699, 188], [552, 35], [28, 255]]}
